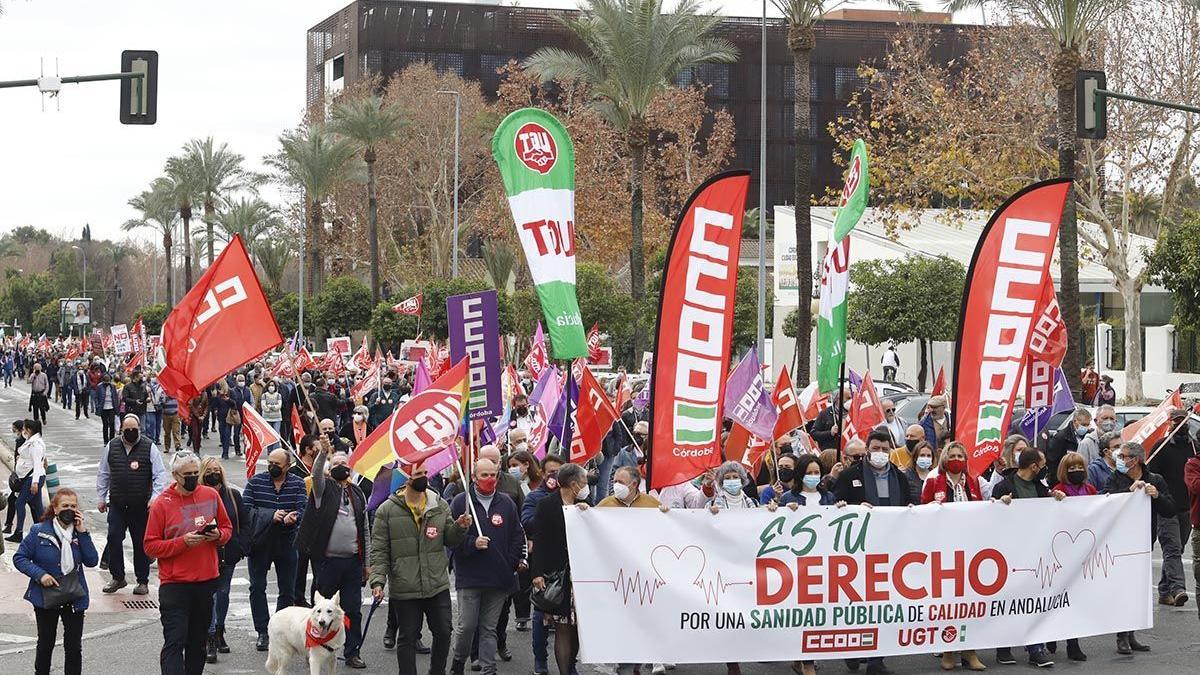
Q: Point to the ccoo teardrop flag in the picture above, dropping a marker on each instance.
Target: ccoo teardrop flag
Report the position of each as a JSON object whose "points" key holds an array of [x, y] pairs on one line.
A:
{"points": [[695, 326], [999, 307], [537, 164]]}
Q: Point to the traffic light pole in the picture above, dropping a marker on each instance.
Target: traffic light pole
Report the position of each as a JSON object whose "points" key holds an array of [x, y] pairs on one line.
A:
{"points": [[1104, 93], [141, 77]]}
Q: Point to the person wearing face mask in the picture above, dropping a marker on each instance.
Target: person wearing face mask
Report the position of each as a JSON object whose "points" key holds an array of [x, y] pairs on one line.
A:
{"points": [[1103, 466], [333, 534], [59, 545], [329, 433], [550, 555], [807, 489], [826, 428], [272, 406], [212, 474], [412, 531], [275, 500], [106, 402], [326, 402], [1073, 482], [197, 414], [1067, 438], [188, 525], [1168, 459], [356, 429], [1105, 394], [894, 424], [952, 482], [730, 480], [39, 392], [486, 566], [383, 403], [936, 422], [522, 418], [131, 475], [239, 395], [1026, 482], [873, 480], [29, 468], [525, 468], [136, 397], [1106, 421], [905, 451], [787, 477], [923, 460]]}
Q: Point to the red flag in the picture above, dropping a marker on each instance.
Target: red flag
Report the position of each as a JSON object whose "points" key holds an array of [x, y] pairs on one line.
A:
{"points": [[623, 393], [784, 397], [939, 385], [746, 448], [812, 402], [258, 435], [304, 360], [136, 360], [410, 307], [1008, 271], [866, 411], [223, 322], [593, 344], [362, 358], [1047, 347], [297, 425], [593, 418], [692, 342], [1153, 427]]}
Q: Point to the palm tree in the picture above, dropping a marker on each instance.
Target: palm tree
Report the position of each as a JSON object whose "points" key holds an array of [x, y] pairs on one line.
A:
{"points": [[368, 122], [1070, 24], [216, 172], [802, 17], [635, 51], [250, 217], [157, 210], [316, 160], [272, 256], [184, 189]]}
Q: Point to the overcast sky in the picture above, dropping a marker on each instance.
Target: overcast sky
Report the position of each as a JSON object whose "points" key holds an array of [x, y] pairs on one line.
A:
{"points": [[233, 69]]}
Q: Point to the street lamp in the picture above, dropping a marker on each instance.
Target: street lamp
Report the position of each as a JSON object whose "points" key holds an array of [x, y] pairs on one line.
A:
{"points": [[454, 234], [84, 254], [762, 194]]}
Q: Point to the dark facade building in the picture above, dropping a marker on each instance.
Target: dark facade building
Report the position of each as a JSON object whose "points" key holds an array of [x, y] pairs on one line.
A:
{"points": [[370, 37]]}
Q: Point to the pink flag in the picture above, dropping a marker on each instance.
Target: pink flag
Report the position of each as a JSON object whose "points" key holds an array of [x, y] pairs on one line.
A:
{"points": [[538, 359], [421, 378]]}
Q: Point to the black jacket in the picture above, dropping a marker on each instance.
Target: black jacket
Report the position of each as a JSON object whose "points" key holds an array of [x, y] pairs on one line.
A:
{"points": [[821, 433], [550, 550], [1006, 487], [233, 551], [1169, 461], [1161, 505], [326, 403], [1062, 442], [851, 486]]}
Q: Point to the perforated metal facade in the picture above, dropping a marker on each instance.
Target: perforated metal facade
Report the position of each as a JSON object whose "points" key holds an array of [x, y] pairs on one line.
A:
{"points": [[383, 36]]}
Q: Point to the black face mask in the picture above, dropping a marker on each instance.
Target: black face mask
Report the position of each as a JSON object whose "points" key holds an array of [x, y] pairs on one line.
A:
{"points": [[521, 411], [329, 435], [1041, 475], [340, 472], [66, 517], [190, 483], [130, 435], [212, 479], [911, 444], [420, 484], [786, 475], [275, 470], [1077, 476]]}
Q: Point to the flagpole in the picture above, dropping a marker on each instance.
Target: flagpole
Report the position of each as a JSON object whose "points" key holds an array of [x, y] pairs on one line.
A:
{"points": [[840, 413], [1166, 440], [463, 476]]}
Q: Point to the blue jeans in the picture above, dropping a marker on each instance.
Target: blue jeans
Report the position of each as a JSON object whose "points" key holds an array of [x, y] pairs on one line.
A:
{"points": [[221, 599], [539, 640], [34, 501], [344, 575], [281, 554], [224, 429], [132, 519], [152, 424]]}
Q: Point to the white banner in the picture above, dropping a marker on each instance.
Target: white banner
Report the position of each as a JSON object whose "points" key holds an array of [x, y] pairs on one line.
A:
{"points": [[825, 583], [121, 342]]}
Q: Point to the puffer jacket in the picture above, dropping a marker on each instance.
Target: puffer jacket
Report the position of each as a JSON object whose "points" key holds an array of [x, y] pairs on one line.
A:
{"points": [[410, 556]]}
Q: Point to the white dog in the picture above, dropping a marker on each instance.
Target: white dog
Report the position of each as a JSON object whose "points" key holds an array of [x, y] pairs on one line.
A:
{"points": [[318, 633]]}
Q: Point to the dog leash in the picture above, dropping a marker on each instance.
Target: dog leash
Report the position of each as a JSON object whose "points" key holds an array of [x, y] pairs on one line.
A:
{"points": [[367, 624]]}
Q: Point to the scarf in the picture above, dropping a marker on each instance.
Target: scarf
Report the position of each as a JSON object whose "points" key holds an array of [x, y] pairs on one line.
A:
{"points": [[360, 432], [313, 637], [66, 558]]}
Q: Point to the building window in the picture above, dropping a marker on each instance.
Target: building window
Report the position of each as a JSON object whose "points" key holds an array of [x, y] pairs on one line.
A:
{"points": [[846, 82], [339, 66]]}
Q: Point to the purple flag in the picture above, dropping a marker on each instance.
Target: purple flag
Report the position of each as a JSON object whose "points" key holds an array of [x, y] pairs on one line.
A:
{"points": [[643, 398], [544, 399], [562, 423], [474, 323], [387, 481], [1038, 418], [747, 400], [421, 380], [854, 379]]}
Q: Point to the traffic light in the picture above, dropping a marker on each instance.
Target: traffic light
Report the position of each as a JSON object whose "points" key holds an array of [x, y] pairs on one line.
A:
{"points": [[1091, 109], [139, 95]]}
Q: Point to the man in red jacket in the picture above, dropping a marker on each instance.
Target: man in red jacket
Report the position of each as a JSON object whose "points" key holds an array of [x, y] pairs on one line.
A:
{"points": [[187, 525]]}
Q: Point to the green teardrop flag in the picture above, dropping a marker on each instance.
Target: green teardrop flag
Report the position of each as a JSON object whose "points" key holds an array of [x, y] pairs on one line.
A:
{"points": [[537, 163]]}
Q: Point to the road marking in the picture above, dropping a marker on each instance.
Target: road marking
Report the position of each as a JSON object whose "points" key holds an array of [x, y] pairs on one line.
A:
{"points": [[118, 628], [10, 637]]}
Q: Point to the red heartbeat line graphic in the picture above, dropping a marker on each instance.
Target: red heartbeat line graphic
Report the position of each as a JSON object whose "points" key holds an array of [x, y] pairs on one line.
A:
{"points": [[688, 563], [628, 586], [1097, 560], [713, 589]]}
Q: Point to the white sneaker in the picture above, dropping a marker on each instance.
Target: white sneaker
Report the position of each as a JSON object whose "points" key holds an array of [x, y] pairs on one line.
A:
{"points": [[659, 669]]}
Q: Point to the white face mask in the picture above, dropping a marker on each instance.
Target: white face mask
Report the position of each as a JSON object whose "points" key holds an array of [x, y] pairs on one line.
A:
{"points": [[583, 492], [358, 417], [878, 459], [620, 491]]}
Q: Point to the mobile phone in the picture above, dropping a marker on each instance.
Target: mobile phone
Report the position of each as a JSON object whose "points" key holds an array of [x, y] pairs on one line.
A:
{"points": [[209, 529]]}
